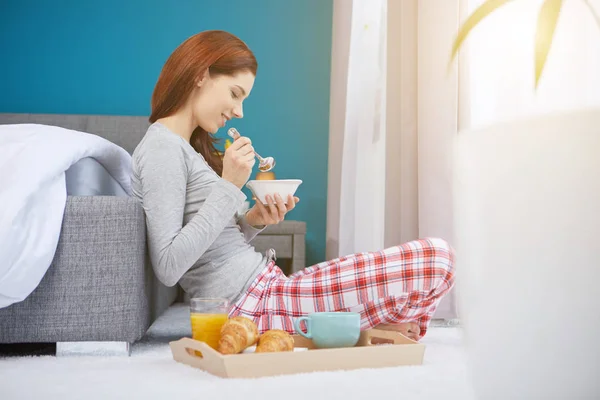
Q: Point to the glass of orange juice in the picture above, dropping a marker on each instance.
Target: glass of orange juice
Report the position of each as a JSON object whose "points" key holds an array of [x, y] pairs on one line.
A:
{"points": [[207, 317]]}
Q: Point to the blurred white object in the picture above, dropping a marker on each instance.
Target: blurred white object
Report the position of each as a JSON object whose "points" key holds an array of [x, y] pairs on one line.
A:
{"points": [[261, 188], [527, 209], [499, 79]]}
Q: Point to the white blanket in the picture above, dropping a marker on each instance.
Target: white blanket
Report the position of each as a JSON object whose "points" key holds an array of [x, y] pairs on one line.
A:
{"points": [[33, 161]]}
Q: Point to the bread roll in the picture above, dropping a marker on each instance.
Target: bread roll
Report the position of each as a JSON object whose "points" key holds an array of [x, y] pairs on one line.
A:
{"points": [[237, 334], [275, 340]]}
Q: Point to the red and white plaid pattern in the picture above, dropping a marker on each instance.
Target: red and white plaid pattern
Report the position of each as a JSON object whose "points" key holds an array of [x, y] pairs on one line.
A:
{"points": [[399, 284]]}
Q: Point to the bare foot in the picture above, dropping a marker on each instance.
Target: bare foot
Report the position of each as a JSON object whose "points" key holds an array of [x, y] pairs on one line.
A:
{"points": [[409, 329]]}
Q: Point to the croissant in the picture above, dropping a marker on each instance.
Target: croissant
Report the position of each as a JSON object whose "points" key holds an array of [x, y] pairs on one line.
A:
{"points": [[237, 334], [275, 340]]}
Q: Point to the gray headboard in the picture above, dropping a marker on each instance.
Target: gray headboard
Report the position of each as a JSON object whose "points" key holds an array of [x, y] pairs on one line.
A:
{"points": [[124, 131]]}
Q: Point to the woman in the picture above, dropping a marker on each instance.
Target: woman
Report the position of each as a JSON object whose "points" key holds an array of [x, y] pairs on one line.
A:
{"points": [[191, 197]]}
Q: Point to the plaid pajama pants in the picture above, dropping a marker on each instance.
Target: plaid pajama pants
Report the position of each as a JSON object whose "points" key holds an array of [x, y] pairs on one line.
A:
{"points": [[399, 284]]}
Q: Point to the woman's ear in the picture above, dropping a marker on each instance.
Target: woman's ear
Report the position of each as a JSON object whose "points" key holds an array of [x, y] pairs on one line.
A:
{"points": [[202, 79]]}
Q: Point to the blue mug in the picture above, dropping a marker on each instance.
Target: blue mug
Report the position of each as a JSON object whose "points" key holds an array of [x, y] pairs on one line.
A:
{"points": [[330, 329]]}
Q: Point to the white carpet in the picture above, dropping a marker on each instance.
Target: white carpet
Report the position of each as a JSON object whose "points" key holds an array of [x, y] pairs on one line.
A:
{"points": [[151, 373]]}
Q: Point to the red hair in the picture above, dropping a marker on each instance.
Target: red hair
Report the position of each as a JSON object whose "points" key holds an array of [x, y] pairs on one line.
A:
{"points": [[222, 54]]}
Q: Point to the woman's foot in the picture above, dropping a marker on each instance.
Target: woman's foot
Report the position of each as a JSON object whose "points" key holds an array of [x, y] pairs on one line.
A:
{"points": [[409, 329]]}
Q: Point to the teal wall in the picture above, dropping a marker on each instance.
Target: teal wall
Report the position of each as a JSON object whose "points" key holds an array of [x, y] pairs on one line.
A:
{"points": [[104, 57]]}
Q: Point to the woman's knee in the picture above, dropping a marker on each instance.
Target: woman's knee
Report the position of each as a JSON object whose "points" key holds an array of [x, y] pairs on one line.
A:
{"points": [[433, 246], [442, 256], [438, 256]]}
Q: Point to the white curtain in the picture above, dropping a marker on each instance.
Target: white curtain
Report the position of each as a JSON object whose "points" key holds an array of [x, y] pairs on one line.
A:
{"points": [[497, 83], [358, 127], [393, 112]]}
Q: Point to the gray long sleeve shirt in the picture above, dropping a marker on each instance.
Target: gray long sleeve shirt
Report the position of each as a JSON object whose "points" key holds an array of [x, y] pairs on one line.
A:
{"points": [[195, 235]]}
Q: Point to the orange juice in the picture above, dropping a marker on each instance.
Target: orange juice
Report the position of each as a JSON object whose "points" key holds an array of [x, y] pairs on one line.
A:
{"points": [[206, 327]]}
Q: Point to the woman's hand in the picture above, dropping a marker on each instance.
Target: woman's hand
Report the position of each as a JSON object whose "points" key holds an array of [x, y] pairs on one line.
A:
{"points": [[238, 162], [273, 213]]}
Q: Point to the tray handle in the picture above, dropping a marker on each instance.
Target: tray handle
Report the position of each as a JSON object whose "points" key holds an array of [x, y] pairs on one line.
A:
{"points": [[380, 336], [183, 350]]}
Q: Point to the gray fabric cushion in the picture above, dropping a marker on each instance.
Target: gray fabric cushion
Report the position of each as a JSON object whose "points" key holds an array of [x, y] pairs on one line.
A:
{"points": [[99, 285]]}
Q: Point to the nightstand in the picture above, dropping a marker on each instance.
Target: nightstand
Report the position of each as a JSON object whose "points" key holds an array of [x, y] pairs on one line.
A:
{"points": [[288, 239]]}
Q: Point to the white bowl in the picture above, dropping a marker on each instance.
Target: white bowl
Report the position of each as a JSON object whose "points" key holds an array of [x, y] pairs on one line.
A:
{"points": [[261, 188]]}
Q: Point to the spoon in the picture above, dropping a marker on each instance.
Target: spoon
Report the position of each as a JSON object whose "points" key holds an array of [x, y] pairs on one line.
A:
{"points": [[264, 164]]}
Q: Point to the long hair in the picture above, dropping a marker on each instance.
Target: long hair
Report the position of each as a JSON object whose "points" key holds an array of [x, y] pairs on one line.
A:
{"points": [[222, 54]]}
